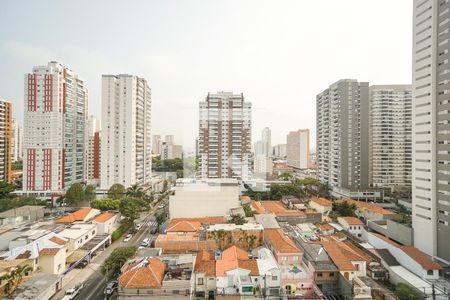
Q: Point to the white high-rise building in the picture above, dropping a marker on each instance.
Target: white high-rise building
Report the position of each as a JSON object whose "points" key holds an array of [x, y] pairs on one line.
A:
{"points": [[169, 139], [156, 144], [297, 149], [54, 129], [390, 137], [279, 150], [126, 131], [262, 167], [225, 136], [17, 141], [431, 128], [267, 141]]}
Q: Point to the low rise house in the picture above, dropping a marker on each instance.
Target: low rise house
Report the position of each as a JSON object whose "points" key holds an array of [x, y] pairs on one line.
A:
{"points": [[352, 225], [82, 215], [165, 276], [370, 211], [205, 275], [282, 214], [322, 205], [270, 285], [78, 235], [27, 213], [107, 222], [282, 247], [408, 256]]}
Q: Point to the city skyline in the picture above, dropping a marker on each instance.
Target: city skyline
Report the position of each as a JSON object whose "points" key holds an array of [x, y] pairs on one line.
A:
{"points": [[173, 58]]}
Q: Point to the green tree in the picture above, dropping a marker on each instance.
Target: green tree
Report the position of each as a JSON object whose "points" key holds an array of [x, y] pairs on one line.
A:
{"points": [[161, 218], [75, 194], [112, 265], [17, 165], [6, 189], [116, 191], [405, 292], [130, 208], [135, 191], [286, 176], [237, 219], [248, 210], [89, 193], [342, 210], [180, 173], [165, 185], [106, 204]]}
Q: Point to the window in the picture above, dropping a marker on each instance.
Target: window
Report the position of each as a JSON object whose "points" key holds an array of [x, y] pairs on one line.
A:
{"points": [[295, 257], [331, 274], [319, 274], [200, 281], [430, 272], [274, 278]]}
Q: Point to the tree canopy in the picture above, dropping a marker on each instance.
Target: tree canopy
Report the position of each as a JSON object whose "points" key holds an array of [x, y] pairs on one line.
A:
{"points": [[166, 165], [116, 191], [112, 265], [130, 208], [106, 204], [6, 189], [75, 194]]}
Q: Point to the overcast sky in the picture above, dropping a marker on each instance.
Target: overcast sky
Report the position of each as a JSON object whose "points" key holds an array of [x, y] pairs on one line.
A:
{"points": [[280, 54]]}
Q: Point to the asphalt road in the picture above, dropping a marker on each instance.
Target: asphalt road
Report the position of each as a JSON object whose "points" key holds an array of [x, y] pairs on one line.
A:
{"points": [[95, 284]]}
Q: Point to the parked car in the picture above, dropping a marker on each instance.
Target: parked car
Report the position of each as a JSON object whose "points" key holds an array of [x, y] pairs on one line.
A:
{"points": [[154, 230], [82, 264], [145, 242], [111, 287], [127, 237], [73, 292], [161, 206], [138, 226]]}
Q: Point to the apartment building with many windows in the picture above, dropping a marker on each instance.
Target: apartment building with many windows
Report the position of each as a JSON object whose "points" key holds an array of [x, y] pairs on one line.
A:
{"points": [[431, 127], [297, 149], [5, 140], [54, 129], [17, 141], [390, 137], [126, 131], [343, 137], [225, 136]]}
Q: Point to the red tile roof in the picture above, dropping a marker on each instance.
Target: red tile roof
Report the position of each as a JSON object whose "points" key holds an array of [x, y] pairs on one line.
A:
{"points": [[102, 218], [79, 215], [322, 201], [205, 263], [58, 240], [275, 207], [184, 226], [342, 255], [351, 220], [147, 272], [280, 241], [367, 206], [233, 258], [49, 251]]}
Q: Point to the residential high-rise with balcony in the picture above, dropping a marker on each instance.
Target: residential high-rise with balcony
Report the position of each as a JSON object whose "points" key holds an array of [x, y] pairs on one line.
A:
{"points": [[17, 141], [343, 137], [5, 140], [431, 127], [93, 150], [297, 149], [390, 137], [225, 136], [126, 131], [54, 129]]}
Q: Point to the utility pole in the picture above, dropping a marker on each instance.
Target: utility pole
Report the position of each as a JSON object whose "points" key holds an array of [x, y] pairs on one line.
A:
{"points": [[433, 292], [265, 286]]}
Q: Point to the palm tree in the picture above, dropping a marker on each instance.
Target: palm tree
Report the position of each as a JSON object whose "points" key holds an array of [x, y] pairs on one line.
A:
{"points": [[15, 277], [9, 282], [135, 191]]}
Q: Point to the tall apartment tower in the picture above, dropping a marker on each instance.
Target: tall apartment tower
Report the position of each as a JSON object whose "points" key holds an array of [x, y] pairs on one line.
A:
{"points": [[17, 141], [54, 143], [169, 139], [225, 136], [343, 136], [267, 141], [156, 144], [93, 150], [390, 137], [431, 128], [297, 149], [5, 140], [126, 131]]}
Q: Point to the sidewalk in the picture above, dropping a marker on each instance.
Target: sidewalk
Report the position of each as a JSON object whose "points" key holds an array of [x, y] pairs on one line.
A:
{"points": [[77, 276]]}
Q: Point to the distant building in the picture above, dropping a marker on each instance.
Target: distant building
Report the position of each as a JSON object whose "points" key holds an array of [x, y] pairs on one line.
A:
{"points": [[264, 146], [390, 136], [93, 151], [279, 150], [225, 136], [156, 144], [262, 167], [297, 149], [16, 141], [126, 131], [169, 139], [54, 129], [171, 151], [5, 140]]}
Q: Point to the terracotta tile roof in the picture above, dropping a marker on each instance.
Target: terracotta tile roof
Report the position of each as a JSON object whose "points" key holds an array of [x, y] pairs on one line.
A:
{"points": [[368, 206], [24, 255], [234, 253], [322, 201], [102, 218], [351, 220], [177, 237], [324, 227], [58, 240], [184, 246], [250, 265], [79, 215], [205, 263], [49, 251], [275, 207], [205, 220], [147, 272], [417, 255], [184, 226], [280, 241]]}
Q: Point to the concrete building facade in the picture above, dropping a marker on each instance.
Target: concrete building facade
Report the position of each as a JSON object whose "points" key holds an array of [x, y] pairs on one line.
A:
{"points": [[16, 141], [297, 149], [225, 136], [5, 140], [54, 129], [343, 135], [93, 150], [431, 128], [126, 131], [390, 136]]}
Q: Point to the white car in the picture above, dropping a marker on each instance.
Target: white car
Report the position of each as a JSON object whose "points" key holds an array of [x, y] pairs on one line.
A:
{"points": [[161, 206], [138, 226], [145, 242], [73, 292], [127, 238]]}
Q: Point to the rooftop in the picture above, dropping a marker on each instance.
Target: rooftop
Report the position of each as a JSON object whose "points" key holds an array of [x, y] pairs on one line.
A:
{"points": [[280, 241], [275, 207], [322, 201], [233, 258], [183, 226], [368, 206], [79, 215], [102, 218], [145, 272], [351, 220]]}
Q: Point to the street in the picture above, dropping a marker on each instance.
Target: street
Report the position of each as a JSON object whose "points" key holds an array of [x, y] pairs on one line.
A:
{"points": [[91, 276]]}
